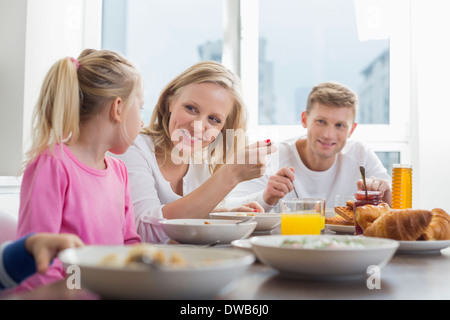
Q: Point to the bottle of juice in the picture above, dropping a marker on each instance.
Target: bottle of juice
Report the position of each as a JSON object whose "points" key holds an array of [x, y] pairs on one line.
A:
{"points": [[361, 199], [401, 186]]}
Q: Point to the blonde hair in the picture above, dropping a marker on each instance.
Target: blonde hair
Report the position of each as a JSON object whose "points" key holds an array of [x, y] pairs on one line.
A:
{"points": [[332, 94], [202, 72], [74, 91]]}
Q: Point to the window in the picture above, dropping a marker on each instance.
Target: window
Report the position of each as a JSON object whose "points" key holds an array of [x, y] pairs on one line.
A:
{"points": [[388, 159], [302, 43], [163, 38], [281, 49]]}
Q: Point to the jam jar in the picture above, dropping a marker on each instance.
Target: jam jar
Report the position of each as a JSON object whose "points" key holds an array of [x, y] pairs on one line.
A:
{"points": [[373, 198]]}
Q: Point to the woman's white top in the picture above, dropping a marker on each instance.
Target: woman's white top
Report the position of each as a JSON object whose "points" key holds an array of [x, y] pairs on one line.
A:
{"points": [[150, 191]]}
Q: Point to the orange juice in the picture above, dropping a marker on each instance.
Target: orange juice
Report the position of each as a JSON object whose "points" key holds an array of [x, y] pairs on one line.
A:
{"points": [[301, 222], [401, 186]]}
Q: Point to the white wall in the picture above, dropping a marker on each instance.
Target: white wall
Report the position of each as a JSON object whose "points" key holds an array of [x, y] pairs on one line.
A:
{"points": [[34, 34], [431, 45], [12, 80]]}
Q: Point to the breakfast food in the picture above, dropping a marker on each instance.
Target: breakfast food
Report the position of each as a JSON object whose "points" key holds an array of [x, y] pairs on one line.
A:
{"points": [[338, 220], [345, 212], [324, 243], [406, 225], [439, 228], [366, 215], [403, 224], [344, 217], [136, 255]]}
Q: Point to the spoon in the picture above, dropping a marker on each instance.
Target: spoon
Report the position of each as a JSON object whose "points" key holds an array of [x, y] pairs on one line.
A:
{"points": [[245, 220], [212, 244], [296, 194], [363, 175], [148, 261]]}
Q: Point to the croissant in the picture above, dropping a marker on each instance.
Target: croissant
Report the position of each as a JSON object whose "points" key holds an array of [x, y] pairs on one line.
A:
{"points": [[439, 228], [398, 224], [366, 215]]}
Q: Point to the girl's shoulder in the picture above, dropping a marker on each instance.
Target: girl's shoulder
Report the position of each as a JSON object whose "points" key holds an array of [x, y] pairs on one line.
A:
{"points": [[48, 165], [52, 156], [115, 164]]}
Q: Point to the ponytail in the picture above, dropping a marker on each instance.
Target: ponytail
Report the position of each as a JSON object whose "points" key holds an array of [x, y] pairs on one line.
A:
{"points": [[56, 115], [74, 91]]}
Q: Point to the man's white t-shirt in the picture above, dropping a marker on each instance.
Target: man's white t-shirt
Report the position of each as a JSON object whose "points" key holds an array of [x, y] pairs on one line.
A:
{"points": [[339, 179]]}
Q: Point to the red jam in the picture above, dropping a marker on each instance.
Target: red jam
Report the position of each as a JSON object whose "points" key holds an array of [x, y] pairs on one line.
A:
{"points": [[373, 198]]}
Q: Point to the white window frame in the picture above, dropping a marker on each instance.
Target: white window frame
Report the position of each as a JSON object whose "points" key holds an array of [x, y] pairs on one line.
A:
{"points": [[395, 136]]}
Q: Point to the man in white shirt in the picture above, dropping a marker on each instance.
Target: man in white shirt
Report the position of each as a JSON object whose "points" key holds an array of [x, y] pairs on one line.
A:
{"points": [[324, 163]]}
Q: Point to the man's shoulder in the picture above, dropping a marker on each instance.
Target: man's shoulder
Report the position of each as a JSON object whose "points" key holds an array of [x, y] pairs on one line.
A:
{"points": [[354, 145], [287, 149]]}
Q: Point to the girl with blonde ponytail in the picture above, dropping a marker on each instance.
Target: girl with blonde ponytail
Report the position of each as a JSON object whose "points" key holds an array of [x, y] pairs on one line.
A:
{"points": [[87, 107]]}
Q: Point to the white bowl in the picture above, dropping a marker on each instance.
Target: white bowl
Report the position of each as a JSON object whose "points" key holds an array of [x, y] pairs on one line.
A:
{"points": [[337, 263], [205, 231], [265, 221], [208, 272]]}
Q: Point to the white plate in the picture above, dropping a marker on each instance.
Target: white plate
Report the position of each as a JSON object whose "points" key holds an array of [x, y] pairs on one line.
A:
{"points": [[197, 280], [265, 221], [327, 264], [242, 244], [205, 231], [423, 246], [341, 228]]}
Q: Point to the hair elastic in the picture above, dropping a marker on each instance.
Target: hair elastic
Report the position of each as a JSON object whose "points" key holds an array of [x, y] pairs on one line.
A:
{"points": [[75, 61]]}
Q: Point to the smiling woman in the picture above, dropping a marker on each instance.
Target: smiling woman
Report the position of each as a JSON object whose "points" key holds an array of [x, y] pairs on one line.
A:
{"points": [[197, 116], [201, 111]]}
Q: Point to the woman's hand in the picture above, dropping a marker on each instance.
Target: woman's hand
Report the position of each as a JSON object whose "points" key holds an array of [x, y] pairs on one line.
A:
{"points": [[248, 207], [250, 162]]}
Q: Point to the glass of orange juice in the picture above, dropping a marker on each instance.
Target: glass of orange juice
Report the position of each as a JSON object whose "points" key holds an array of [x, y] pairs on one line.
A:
{"points": [[302, 216]]}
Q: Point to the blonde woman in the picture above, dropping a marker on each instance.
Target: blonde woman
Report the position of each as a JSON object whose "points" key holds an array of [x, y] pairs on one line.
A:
{"points": [[184, 163], [87, 107]]}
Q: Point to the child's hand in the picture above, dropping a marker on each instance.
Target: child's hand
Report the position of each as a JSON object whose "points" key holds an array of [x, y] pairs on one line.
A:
{"points": [[45, 246], [249, 207]]}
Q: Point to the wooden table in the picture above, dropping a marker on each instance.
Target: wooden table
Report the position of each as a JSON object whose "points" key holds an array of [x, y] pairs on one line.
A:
{"points": [[406, 276]]}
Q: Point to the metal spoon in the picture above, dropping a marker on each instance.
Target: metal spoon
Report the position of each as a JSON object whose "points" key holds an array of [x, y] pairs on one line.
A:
{"points": [[363, 175], [148, 261], [212, 244], [296, 194], [245, 220]]}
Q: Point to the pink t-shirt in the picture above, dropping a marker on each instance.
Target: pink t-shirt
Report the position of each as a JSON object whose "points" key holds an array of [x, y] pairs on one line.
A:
{"points": [[60, 194]]}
